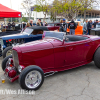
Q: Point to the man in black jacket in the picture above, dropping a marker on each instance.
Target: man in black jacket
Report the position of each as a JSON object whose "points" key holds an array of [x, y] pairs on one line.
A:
{"points": [[72, 26], [9, 25]]}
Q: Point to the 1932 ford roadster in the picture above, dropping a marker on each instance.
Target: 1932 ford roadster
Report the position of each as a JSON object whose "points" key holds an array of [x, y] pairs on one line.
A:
{"points": [[31, 62]]}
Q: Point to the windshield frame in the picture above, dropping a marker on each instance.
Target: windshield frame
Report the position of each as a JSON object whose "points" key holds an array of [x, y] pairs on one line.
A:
{"points": [[31, 30], [55, 33]]}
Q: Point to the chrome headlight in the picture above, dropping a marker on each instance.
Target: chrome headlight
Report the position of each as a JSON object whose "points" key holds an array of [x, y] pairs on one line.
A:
{"points": [[20, 68]]}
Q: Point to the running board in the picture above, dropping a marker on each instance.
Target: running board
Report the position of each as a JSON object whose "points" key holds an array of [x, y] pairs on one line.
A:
{"points": [[49, 73]]}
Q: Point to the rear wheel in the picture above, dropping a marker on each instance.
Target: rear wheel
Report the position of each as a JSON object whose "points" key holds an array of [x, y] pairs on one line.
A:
{"points": [[7, 51], [5, 62], [97, 58], [31, 78]]}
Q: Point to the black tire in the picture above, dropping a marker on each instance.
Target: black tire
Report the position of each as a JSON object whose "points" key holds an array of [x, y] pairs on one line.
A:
{"points": [[97, 58], [3, 64], [5, 51], [25, 72]]}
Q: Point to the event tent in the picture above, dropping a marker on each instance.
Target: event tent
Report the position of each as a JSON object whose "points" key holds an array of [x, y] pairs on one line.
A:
{"points": [[6, 12]]}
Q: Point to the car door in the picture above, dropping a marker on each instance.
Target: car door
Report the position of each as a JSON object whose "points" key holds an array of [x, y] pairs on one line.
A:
{"points": [[59, 53], [76, 52]]}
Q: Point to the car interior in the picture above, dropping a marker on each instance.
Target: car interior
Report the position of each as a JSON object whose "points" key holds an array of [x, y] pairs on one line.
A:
{"points": [[35, 32], [71, 38]]}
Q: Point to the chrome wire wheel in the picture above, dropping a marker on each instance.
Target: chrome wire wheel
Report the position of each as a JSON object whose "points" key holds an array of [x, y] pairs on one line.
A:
{"points": [[9, 52], [33, 79]]}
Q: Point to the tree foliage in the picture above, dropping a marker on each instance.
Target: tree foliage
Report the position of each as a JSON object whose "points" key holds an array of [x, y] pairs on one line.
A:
{"points": [[66, 8], [26, 4], [42, 5]]}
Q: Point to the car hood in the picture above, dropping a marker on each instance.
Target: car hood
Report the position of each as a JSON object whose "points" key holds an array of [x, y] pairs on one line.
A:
{"points": [[34, 46], [14, 36]]}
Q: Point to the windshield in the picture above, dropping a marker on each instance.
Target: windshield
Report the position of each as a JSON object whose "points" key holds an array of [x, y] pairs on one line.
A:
{"points": [[27, 31], [57, 35]]}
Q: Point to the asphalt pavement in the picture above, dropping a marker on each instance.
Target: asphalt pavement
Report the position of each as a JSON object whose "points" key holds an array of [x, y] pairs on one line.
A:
{"points": [[82, 83]]}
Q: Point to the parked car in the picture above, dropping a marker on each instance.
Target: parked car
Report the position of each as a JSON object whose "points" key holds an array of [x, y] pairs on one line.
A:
{"points": [[53, 26], [33, 61], [29, 34], [95, 31]]}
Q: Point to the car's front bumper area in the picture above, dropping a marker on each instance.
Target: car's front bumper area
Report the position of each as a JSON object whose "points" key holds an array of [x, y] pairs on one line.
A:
{"points": [[10, 71]]}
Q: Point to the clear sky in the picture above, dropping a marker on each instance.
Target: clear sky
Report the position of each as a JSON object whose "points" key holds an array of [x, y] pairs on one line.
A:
{"points": [[14, 4]]}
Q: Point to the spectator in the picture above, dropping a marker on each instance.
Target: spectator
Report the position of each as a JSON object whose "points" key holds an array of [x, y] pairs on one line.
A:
{"points": [[63, 26], [13, 25], [28, 25], [45, 24], [85, 27], [9, 25], [89, 27], [1, 26], [39, 23], [72, 26], [31, 23], [95, 23], [24, 24]]}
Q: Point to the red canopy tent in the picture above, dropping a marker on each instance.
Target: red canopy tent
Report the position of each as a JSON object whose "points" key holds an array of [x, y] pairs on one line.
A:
{"points": [[6, 12]]}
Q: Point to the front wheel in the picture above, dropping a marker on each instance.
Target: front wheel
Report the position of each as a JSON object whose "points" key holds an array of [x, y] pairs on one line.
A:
{"points": [[31, 78], [7, 51], [5, 62]]}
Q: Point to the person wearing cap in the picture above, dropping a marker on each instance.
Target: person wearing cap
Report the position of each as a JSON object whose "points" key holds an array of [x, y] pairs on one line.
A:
{"points": [[63, 26], [95, 23], [72, 26]]}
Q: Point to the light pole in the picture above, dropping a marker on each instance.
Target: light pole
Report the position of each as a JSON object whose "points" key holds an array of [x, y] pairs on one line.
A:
{"points": [[11, 7]]}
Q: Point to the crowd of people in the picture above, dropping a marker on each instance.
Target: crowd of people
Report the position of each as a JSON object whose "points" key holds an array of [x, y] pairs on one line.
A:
{"points": [[88, 25], [11, 25], [72, 26]]}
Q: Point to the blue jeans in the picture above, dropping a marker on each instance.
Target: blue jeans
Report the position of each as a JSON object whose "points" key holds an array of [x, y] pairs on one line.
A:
{"points": [[84, 32], [72, 32]]}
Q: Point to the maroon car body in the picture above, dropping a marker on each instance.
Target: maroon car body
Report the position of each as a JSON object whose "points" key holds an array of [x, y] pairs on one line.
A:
{"points": [[55, 52], [53, 26]]}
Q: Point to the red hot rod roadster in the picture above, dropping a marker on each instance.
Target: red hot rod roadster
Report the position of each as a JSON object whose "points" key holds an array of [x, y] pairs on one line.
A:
{"points": [[31, 62]]}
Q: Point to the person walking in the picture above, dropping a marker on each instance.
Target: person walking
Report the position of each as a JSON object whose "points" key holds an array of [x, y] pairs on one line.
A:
{"points": [[85, 27], [9, 25], [72, 26], [89, 27], [13, 25]]}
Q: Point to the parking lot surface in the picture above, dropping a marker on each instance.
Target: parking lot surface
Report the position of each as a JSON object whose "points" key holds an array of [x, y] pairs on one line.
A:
{"points": [[82, 83]]}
